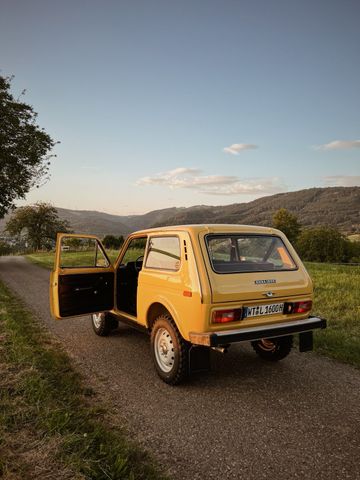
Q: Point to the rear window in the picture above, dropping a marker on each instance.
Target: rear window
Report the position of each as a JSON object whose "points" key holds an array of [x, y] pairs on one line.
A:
{"points": [[248, 253]]}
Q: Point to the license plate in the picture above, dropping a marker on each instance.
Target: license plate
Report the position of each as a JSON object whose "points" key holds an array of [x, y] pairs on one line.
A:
{"points": [[259, 310]]}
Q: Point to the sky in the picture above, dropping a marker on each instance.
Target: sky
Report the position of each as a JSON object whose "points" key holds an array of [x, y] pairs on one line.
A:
{"points": [[176, 103]]}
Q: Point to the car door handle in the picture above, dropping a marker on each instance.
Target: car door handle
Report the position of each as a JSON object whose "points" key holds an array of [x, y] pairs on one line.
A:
{"points": [[82, 289]]}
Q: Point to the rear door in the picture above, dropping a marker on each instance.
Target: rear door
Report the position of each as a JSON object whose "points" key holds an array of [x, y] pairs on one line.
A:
{"points": [[245, 267], [83, 278]]}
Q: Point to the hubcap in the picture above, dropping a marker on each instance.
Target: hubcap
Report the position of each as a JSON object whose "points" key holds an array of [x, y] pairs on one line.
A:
{"points": [[164, 350], [97, 319]]}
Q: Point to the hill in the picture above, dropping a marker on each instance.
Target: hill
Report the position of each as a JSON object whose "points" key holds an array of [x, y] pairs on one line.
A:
{"points": [[98, 223], [334, 206]]}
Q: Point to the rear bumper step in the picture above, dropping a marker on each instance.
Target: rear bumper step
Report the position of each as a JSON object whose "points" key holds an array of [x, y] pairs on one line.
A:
{"points": [[214, 339]]}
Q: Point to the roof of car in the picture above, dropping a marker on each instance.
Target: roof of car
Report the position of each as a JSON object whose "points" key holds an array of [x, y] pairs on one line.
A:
{"points": [[211, 228]]}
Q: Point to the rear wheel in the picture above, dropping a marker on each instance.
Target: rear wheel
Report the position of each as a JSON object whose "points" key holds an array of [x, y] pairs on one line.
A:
{"points": [[103, 323], [273, 349], [169, 350]]}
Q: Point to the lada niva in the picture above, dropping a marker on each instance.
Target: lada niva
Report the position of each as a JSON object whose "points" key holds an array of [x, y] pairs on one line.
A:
{"points": [[192, 288]]}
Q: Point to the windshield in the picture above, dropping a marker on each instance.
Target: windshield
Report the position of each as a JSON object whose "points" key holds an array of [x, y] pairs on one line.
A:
{"points": [[248, 253]]}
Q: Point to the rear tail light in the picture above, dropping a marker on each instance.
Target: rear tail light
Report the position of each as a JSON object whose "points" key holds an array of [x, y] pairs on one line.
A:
{"points": [[302, 307], [225, 316], [298, 307]]}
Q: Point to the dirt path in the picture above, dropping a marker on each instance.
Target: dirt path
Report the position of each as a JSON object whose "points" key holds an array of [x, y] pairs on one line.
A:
{"points": [[246, 419]]}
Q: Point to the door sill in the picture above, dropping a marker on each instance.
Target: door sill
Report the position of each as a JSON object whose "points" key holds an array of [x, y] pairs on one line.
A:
{"points": [[131, 321]]}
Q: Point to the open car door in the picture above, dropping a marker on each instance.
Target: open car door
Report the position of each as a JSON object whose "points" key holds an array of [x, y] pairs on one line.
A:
{"points": [[83, 278]]}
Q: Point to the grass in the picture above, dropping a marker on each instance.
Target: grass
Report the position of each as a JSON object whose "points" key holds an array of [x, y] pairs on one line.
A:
{"points": [[46, 259], [337, 298], [48, 425]]}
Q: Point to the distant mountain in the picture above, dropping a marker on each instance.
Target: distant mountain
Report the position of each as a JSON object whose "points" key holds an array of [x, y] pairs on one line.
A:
{"points": [[97, 223], [334, 206], [139, 222]]}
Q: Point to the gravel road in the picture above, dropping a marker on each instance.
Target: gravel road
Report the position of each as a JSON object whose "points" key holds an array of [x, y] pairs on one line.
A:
{"points": [[246, 419]]}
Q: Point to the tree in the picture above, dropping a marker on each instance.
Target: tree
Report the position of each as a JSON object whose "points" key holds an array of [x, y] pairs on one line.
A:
{"points": [[353, 251], [112, 242], [38, 223], [24, 148], [323, 244], [288, 223], [5, 248]]}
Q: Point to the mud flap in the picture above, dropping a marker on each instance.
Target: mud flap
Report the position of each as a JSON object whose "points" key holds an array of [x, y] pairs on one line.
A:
{"points": [[199, 359], [305, 341]]}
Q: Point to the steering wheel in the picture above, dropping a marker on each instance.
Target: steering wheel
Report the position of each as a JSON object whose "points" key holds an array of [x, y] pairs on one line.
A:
{"points": [[137, 264]]}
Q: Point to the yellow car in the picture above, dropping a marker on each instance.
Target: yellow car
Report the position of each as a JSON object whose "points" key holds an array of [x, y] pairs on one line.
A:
{"points": [[193, 288]]}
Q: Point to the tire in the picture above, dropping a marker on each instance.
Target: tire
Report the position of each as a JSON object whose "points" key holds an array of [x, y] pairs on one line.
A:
{"points": [[273, 349], [169, 350], [103, 323]]}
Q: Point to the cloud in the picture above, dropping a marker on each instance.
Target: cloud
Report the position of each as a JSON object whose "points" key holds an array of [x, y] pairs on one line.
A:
{"points": [[342, 181], [182, 171], [252, 186], [339, 145], [190, 178], [170, 178], [236, 148]]}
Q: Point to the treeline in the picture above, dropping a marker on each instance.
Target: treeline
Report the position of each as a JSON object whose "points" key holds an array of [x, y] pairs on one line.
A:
{"points": [[317, 244], [113, 243], [34, 228]]}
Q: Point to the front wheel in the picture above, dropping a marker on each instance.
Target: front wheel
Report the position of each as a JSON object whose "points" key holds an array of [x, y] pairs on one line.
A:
{"points": [[169, 351], [103, 323], [273, 349]]}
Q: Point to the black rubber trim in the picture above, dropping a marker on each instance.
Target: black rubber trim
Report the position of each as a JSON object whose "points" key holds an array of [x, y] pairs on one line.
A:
{"points": [[277, 330]]}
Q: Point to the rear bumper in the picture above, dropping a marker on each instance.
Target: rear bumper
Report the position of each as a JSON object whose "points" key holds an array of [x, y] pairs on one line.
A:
{"points": [[214, 339]]}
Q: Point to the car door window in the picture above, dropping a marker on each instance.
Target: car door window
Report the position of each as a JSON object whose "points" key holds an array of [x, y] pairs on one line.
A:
{"points": [[77, 252], [135, 251]]}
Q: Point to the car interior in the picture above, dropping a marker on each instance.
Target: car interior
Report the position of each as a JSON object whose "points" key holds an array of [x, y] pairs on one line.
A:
{"points": [[127, 276]]}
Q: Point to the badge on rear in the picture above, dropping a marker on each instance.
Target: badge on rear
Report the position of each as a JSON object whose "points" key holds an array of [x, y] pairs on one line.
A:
{"points": [[265, 282]]}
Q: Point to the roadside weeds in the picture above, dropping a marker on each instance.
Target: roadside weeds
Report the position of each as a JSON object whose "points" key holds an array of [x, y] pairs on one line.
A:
{"points": [[337, 298], [51, 424]]}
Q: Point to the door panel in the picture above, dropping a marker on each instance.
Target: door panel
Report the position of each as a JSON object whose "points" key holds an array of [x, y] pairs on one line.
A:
{"points": [[85, 293], [83, 278]]}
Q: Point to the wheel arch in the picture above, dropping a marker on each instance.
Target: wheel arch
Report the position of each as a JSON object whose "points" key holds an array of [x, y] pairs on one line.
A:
{"points": [[160, 308]]}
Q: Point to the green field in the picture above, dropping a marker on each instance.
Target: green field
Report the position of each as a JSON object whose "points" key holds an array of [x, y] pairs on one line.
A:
{"points": [[337, 298], [46, 259]]}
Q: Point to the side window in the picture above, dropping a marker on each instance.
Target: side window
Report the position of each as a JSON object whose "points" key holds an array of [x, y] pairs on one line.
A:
{"points": [[77, 252], [164, 253], [135, 251]]}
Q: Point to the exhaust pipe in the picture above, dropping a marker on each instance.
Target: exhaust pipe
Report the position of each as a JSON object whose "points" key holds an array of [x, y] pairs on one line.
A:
{"points": [[221, 348]]}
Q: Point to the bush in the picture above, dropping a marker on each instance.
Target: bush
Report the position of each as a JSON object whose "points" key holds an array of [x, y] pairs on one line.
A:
{"points": [[5, 248], [324, 244], [112, 242], [353, 251], [288, 223]]}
